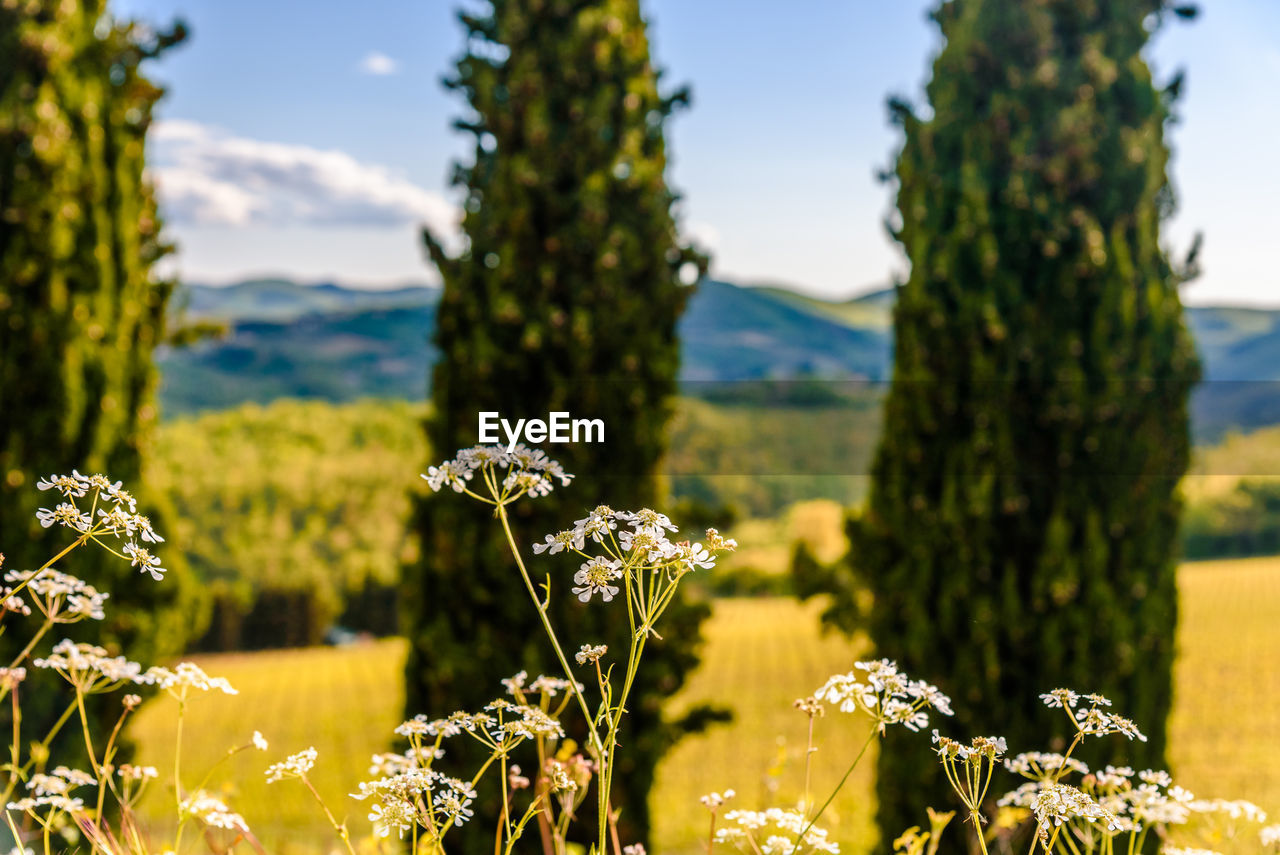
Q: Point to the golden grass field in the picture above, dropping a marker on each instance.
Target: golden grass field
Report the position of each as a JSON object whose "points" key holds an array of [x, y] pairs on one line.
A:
{"points": [[760, 656]]}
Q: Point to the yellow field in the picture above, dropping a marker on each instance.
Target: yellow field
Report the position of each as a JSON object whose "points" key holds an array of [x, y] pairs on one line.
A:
{"points": [[760, 656], [1225, 728], [343, 701]]}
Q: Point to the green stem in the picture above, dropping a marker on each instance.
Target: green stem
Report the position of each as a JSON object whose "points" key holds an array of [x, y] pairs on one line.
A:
{"points": [[54, 560], [606, 771], [870, 738], [88, 739], [340, 828], [551, 633], [31, 645], [977, 828]]}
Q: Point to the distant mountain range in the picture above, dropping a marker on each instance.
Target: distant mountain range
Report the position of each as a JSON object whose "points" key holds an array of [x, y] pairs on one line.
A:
{"points": [[339, 343]]}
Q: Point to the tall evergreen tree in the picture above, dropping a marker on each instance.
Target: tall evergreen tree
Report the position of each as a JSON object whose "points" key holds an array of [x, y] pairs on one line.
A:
{"points": [[81, 309], [1020, 530], [565, 298]]}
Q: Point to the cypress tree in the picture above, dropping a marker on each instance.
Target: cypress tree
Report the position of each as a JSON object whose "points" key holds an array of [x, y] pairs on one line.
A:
{"points": [[81, 309], [1020, 533], [565, 298]]}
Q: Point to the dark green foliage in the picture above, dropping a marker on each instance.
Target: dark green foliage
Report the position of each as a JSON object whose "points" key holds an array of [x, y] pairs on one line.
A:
{"points": [[80, 309], [566, 298], [1021, 528]]}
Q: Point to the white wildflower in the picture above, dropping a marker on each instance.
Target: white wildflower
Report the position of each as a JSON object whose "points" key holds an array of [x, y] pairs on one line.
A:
{"points": [[141, 557], [590, 653], [90, 668], [293, 766], [594, 578], [712, 801], [212, 811], [185, 676]]}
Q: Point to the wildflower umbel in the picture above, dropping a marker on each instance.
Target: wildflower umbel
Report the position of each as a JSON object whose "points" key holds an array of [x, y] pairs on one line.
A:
{"points": [[969, 769], [638, 557], [98, 509], [774, 832], [1057, 804], [1089, 718], [212, 811], [293, 766], [90, 669], [884, 693], [507, 474], [184, 677], [61, 597]]}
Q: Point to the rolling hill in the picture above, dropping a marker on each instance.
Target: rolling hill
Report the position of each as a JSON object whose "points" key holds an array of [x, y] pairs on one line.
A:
{"points": [[339, 343]]}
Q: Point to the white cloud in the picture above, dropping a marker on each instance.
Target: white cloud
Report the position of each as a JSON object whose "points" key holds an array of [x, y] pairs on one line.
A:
{"points": [[207, 176], [379, 64], [191, 196]]}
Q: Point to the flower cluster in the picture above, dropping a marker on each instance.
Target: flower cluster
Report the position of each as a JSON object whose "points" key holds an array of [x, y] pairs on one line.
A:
{"points": [[184, 677], [884, 693], [112, 512], [90, 669], [293, 766], [981, 747], [774, 832], [62, 598], [520, 688], [1043, 766], [713, 801], [417, 796], [1090, 719], [507, 474], [1133, 802], [1057, 804], [969, 768], [632, 542], [212, 812], [590, 653]]}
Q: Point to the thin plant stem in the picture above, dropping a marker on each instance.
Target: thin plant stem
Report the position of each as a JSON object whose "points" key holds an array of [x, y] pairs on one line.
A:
{"points": [[177, 775], [104, 779], [31, 645], [976, 818], [340, 828], [870, 738], [15, 749], [808, 761], [79, 541], [551, 633], [88, 738]]}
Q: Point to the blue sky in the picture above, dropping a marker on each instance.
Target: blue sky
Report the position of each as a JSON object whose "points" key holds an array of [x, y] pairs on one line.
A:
{"points": [[307, 137]]}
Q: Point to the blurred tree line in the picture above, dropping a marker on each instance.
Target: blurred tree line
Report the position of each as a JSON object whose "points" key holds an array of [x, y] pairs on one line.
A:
{"points": [[293, 516]]}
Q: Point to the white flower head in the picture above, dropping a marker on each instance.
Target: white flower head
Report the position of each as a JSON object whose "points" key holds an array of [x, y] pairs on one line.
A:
{"points": [[595, 577], [885, 694], [590, 653], [186, 676], [520, 471], [293, 766], [212, 811]]}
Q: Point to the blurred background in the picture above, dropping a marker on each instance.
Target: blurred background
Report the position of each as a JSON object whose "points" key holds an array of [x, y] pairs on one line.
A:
{"points": [[297, 155]]}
